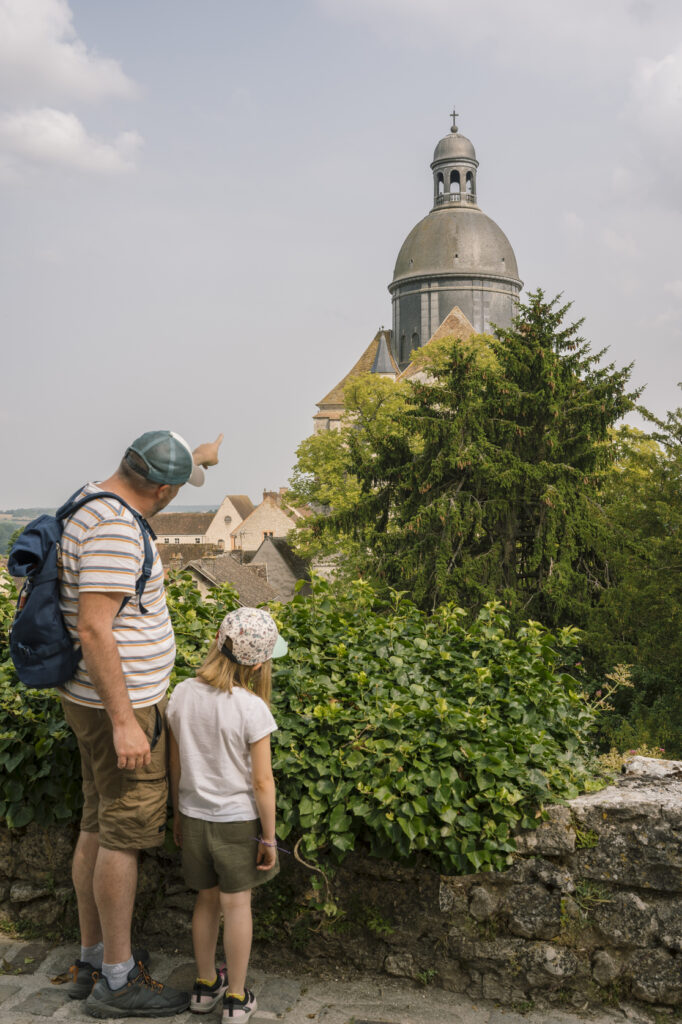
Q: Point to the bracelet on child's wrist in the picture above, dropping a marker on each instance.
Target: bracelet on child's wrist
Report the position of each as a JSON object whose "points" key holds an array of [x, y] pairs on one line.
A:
{"points": [[264, 842]]}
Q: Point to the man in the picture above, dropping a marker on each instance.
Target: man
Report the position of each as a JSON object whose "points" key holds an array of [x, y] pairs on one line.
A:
{"points": [[115, 706]]}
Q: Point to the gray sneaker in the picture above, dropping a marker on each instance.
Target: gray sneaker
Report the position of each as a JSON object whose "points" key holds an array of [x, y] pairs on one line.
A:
{"points": [[84, 975], [141, 996]]}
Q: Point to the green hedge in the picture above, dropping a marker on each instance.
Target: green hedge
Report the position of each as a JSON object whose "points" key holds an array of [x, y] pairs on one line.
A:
{"points": [[399, 732]]}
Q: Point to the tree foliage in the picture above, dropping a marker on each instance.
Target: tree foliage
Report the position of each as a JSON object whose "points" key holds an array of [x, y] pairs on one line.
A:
{"points": [[486, 486], [638, 620]]}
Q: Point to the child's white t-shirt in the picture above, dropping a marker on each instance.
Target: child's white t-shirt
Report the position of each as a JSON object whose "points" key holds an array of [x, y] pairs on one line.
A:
{"points": [[213, 730]]}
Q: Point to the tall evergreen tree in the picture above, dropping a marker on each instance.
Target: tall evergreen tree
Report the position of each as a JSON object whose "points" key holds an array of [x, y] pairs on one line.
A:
{"points": [[492, 489]]}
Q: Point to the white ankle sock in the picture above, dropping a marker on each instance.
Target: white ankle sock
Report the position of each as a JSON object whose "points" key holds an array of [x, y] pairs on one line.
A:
{"points": [[117, 974], [93, 955]]}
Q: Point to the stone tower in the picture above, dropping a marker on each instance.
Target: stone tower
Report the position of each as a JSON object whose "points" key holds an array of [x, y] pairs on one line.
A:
{"points": [[455, 256]]}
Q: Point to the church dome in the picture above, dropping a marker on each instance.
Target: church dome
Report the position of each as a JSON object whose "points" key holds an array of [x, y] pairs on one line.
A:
{"points": [[454, 147], [455, 258], [455, 241]]}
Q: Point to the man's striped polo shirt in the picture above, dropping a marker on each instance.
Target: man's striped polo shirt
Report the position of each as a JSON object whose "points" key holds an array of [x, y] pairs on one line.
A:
{"points": [[103, 552]]}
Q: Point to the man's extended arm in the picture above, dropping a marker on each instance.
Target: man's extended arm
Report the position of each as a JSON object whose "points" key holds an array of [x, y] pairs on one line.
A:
{"points": [[207, 454], [96, 614]]}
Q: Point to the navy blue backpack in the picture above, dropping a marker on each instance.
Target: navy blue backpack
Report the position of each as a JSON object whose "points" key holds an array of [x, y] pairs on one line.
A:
{"points": [[41, 648]]}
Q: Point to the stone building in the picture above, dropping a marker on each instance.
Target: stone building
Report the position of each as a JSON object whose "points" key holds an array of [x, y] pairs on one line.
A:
{"points": [[274, 517], [455, 262], [199, 528]]}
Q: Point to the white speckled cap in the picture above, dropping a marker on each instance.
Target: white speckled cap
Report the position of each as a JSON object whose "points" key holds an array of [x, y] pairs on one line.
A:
{"points": [[253, 634]]}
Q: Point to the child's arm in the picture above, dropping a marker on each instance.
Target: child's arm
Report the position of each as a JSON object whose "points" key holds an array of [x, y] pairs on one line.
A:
{"points": [[264, 792], [174, 773]]}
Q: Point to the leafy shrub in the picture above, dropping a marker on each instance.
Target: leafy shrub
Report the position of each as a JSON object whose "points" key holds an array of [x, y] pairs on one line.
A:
{"points": [[39, 762], [400, 732], [410, 733]]}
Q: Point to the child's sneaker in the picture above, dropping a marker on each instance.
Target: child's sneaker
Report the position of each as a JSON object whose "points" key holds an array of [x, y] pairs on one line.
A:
{"points": [[205, 997], [238, 1009]]}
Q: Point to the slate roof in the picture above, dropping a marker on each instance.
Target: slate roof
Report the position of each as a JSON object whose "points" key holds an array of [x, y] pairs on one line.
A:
{"points": [[364, 364], [242, 503], [172, 524], [455, 325], [297, 565], [251, 588]]}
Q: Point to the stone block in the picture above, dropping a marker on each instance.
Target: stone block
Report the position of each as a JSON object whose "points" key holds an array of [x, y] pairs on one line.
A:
{"points": [[552, 837], [7, 991], [28, 958], [551, 966], [43, 853], [482, 903], [533, 912], [43, 1003], [652, 767], [44, 912], [401, 965], [669, 914], [24, 892], [625, 920], [657, 977], [606, 967]]}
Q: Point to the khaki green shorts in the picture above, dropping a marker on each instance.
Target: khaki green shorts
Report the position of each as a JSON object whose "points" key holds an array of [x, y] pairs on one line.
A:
{"points": [[126, 807], [222, 853]]}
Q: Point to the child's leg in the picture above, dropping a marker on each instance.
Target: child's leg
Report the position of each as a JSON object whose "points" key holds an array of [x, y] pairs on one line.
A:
{"points": [[205, 923], [237, 931]]}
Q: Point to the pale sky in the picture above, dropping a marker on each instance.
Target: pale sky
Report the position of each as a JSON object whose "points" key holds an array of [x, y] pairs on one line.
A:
{"points": [[202, 202]]}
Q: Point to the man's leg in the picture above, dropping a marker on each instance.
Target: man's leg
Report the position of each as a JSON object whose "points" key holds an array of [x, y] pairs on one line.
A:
{"points": [[82, 872], [114, 886]]}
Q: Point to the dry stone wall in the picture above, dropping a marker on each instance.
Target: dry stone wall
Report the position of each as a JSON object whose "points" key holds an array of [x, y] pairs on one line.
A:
{"points": [[591, 909]]}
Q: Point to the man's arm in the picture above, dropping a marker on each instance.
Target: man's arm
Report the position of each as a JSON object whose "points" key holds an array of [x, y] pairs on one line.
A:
{"points": [[207, 454], [96, 614]]}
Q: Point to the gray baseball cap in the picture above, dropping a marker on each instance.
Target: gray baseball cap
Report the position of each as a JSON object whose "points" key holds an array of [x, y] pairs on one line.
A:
{"points": [[168, 458]]}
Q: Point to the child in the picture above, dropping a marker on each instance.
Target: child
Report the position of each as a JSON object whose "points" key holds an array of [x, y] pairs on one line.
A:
{"points": [[222, 784]]}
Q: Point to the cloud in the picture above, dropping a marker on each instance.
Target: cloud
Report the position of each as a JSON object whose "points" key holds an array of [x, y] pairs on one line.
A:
{"points": [[43, 66], [619, 243], [674, 288], [572, 224], [42, 59], [657, 93], [48, 136]]}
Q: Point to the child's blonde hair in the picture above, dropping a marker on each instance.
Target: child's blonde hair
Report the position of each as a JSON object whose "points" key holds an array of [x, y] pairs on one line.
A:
{"points": [[217, 670]]}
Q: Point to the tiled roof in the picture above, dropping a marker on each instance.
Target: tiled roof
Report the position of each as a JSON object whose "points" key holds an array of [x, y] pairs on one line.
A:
{"points": [[180, 524], [363, 365], [455, 325], [242, 503], [251, 588]]}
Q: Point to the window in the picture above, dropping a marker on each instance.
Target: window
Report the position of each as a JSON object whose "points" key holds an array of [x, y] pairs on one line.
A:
{"points": [[440, 183], [166, 540], [177, 540], [268, 533], [454, 183], [197, 540]]}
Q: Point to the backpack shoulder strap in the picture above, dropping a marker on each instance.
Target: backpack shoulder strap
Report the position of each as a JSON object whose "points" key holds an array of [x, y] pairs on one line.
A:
{"points": [[71, 506]]}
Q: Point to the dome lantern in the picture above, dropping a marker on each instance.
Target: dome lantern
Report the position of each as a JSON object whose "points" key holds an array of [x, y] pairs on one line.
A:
{"points": [[454, 169]]}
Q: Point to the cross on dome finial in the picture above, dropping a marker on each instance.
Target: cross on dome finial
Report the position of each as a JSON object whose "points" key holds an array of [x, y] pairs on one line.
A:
{"points": [[454, 115]]}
